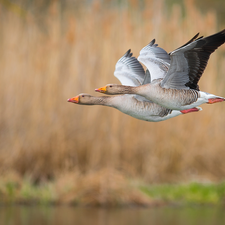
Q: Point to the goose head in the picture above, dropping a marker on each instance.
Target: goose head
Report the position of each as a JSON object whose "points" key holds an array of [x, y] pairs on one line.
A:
{"points": [[114, 89], [84, 99]]}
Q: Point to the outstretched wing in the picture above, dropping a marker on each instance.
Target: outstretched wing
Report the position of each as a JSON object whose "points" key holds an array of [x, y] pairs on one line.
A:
{"points": [[155, 59], [129, 71], [189, 62]]}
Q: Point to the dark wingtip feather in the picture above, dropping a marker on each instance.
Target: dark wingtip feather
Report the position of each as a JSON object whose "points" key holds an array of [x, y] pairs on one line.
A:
{"points": [[152, 42], [193, 39], [203, 49], [195, 36], [128, 53]]}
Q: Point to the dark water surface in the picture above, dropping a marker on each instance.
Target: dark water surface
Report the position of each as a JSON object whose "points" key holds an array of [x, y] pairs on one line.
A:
{"points": [[42, 215]]}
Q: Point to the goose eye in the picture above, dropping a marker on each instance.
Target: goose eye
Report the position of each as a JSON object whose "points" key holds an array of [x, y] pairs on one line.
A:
{"points": [[82, 95], [110, 85]]}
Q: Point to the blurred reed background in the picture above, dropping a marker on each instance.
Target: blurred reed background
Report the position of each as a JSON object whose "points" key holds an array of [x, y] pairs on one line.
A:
{"points": [[54, 50]]}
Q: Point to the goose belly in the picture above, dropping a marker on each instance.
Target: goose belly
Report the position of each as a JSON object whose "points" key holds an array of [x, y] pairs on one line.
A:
{"points": [[148, 111]]}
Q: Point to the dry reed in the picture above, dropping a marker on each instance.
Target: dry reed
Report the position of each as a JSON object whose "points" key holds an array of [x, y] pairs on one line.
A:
{"points": [[106, 187], [49, 57]]}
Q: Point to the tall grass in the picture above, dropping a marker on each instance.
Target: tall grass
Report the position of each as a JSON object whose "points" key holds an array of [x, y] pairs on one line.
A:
{"points": [[47, 57]]}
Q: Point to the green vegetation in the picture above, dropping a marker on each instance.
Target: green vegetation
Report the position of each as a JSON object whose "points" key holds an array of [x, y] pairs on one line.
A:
{"points": [[195, 193], [26, 192]]}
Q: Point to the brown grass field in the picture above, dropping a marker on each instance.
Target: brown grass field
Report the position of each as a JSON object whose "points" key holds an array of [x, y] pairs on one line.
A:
{"points": [[50, 55]]}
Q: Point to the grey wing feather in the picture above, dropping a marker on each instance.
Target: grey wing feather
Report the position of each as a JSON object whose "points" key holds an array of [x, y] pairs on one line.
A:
{"points": [[129, 71], [147, 77], [156, 59], [189, 62]]}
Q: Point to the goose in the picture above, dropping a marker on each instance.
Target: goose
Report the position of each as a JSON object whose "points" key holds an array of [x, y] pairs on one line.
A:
{"points": [[130, 72], [178, 89]]}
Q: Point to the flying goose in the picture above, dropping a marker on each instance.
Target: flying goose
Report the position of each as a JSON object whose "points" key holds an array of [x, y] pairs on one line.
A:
{"points": [[130, 72], [178, 89]]}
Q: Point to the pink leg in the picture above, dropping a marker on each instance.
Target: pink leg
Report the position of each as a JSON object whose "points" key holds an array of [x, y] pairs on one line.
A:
{"points": [[185, 111], [215, 100]]}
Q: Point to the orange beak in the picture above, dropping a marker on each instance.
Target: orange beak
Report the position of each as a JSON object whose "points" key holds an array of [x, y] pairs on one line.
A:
{"points": [[74, 99], [101, 89]]}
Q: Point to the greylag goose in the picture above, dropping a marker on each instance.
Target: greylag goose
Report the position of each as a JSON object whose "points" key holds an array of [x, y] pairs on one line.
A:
{"points": [[130, 72], [179, 89]]}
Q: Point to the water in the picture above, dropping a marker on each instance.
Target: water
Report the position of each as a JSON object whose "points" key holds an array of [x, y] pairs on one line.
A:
{"points": [[44, 215]]}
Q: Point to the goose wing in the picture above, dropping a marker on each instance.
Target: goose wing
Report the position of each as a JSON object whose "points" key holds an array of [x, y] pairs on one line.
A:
{"points": [[129, 71], [156, 59], [189, 62]]}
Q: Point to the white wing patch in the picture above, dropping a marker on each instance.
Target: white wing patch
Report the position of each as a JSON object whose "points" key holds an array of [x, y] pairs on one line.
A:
{"points": [[129, 71], [155, 59]]}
